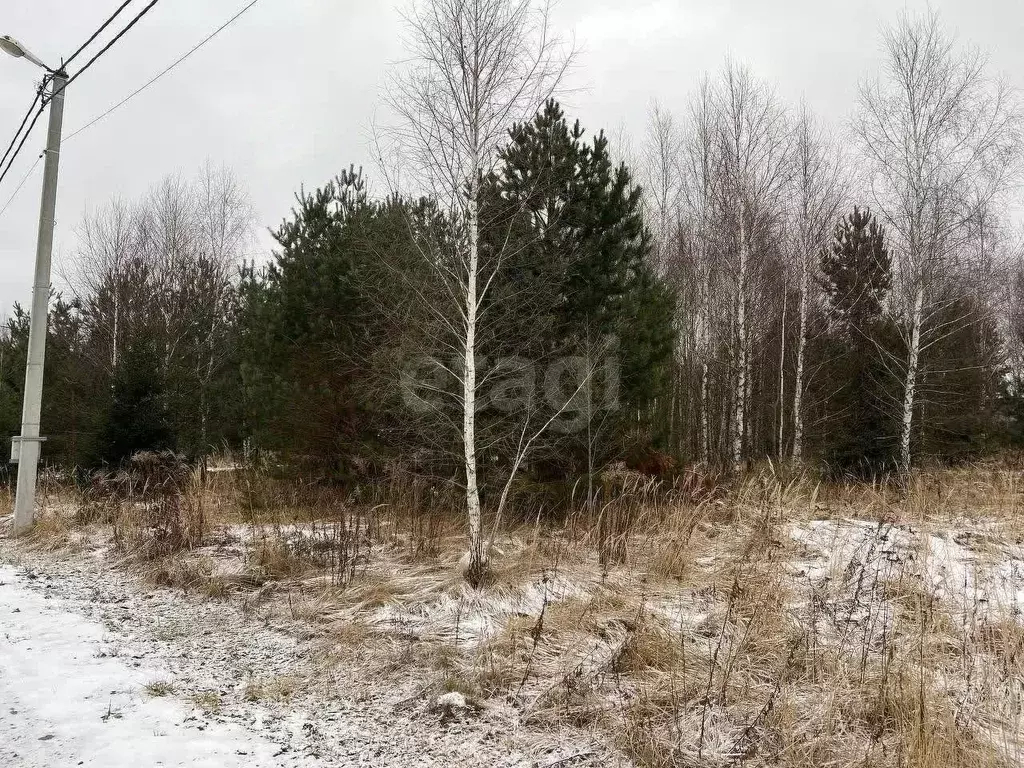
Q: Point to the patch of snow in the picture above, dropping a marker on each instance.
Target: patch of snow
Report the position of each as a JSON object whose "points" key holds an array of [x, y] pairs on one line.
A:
{"points": [[467, 617], [986, 584], [453, 700], [337, 717], [66, 702]]}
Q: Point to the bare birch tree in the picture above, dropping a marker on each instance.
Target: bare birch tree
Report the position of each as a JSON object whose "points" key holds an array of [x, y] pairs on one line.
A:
{"points": [[108, 240], [818, 191], [700, 269], [224, 218], [477, 66], [662, 182], [943, 138], [167, 267], [754, 143]]}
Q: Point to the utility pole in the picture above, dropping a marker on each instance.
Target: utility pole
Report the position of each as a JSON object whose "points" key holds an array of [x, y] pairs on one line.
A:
{"points": [[25, 449]]}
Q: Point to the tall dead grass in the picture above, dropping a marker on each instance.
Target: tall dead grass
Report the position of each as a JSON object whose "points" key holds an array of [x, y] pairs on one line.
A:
{"points": [[777, 620], [155, 506]]}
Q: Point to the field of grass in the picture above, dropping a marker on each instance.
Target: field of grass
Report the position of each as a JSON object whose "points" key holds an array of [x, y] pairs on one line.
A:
{"points": [[780, 621]]}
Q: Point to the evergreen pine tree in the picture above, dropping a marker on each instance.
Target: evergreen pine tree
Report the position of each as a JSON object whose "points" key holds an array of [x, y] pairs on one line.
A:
{"points": [[859, 431], [138, 418], [313, 320], [582, 264], [13, 347], [857, 270]]}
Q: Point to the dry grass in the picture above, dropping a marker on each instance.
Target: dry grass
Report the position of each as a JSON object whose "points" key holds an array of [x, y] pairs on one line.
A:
{"points": [[781, 621], [52, 531], [156, 506], [276, 559], [282, 689], [208, 701], [159, 688], [185, 573]]}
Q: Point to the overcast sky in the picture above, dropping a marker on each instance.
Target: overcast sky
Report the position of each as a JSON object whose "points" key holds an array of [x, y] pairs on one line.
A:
{"points": [[288, 94]]}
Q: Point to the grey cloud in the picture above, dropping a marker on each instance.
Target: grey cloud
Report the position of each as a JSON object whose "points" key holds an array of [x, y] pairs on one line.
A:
{"points": [[287, 96]]}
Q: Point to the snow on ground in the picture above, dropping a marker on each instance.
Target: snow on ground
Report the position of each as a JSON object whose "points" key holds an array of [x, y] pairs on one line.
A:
{"points": [[65, 702], [86, 639], [80, 641], [967, 567]]}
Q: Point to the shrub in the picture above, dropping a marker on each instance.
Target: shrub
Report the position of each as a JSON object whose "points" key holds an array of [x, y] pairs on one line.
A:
{"points": [[160, 510]]}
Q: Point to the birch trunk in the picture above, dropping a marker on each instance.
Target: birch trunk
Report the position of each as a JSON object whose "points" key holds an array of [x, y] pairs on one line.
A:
{"points": [[705, 369], [739, 412], [798, 392], [117, 318], [911, 383], [705, 446], [782, 374], [477, 555]]}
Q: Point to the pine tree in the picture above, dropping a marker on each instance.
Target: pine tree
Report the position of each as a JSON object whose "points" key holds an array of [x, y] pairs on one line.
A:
{"points": [[13, 347], [73, 404], [859, 430], [582, 263], [313, 319], [857, 270], [138, 419], [962, 385]]}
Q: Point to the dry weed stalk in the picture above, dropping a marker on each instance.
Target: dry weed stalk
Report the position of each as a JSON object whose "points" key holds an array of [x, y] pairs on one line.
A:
{"points": [[160, 508]]}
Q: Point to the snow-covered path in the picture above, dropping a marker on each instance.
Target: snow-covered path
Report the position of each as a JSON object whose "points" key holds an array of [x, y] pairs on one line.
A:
{"points": [[63, 703]]}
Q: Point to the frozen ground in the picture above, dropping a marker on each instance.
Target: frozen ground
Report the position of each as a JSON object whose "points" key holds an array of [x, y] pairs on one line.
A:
{"points": [[250, 681], [80, 642], [66, 702]]}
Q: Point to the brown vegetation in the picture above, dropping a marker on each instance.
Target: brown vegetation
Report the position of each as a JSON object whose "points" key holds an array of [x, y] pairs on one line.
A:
{"points": [[777, 622]]}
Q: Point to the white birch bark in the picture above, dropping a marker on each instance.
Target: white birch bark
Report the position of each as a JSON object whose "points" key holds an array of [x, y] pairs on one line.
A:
{"points": [[742, 374], [943, 141], [910, 385], [820, 179], [478, 557], [476, 67], [705, 446], [782, 375], [798, 386]]}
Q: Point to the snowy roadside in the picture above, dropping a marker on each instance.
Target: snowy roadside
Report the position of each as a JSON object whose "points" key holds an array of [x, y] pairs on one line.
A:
{"points": [[80, 643], [65, 702]]}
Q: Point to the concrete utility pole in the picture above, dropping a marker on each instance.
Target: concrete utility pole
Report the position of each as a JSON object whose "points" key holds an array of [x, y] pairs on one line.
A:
{"points": [[25, 449]]}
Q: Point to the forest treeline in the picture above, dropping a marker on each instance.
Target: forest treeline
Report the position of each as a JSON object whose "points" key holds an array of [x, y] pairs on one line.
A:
{"points": [[538, 303]]}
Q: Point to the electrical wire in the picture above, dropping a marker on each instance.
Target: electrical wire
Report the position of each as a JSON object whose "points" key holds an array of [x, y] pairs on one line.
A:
{"points": [[136, 92], [40, 95], [97, 33], [17, 133], [129, 97], [21, 144], [46, 100], [21, 184], [109, 45]]}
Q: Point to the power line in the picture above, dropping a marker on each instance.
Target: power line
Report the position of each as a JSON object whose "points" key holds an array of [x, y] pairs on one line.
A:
{"points": [[97, 33], [110, 44], [46, 100], [17, 133], [136, 92], [121, 103], [21, 144], [21, 184]]}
